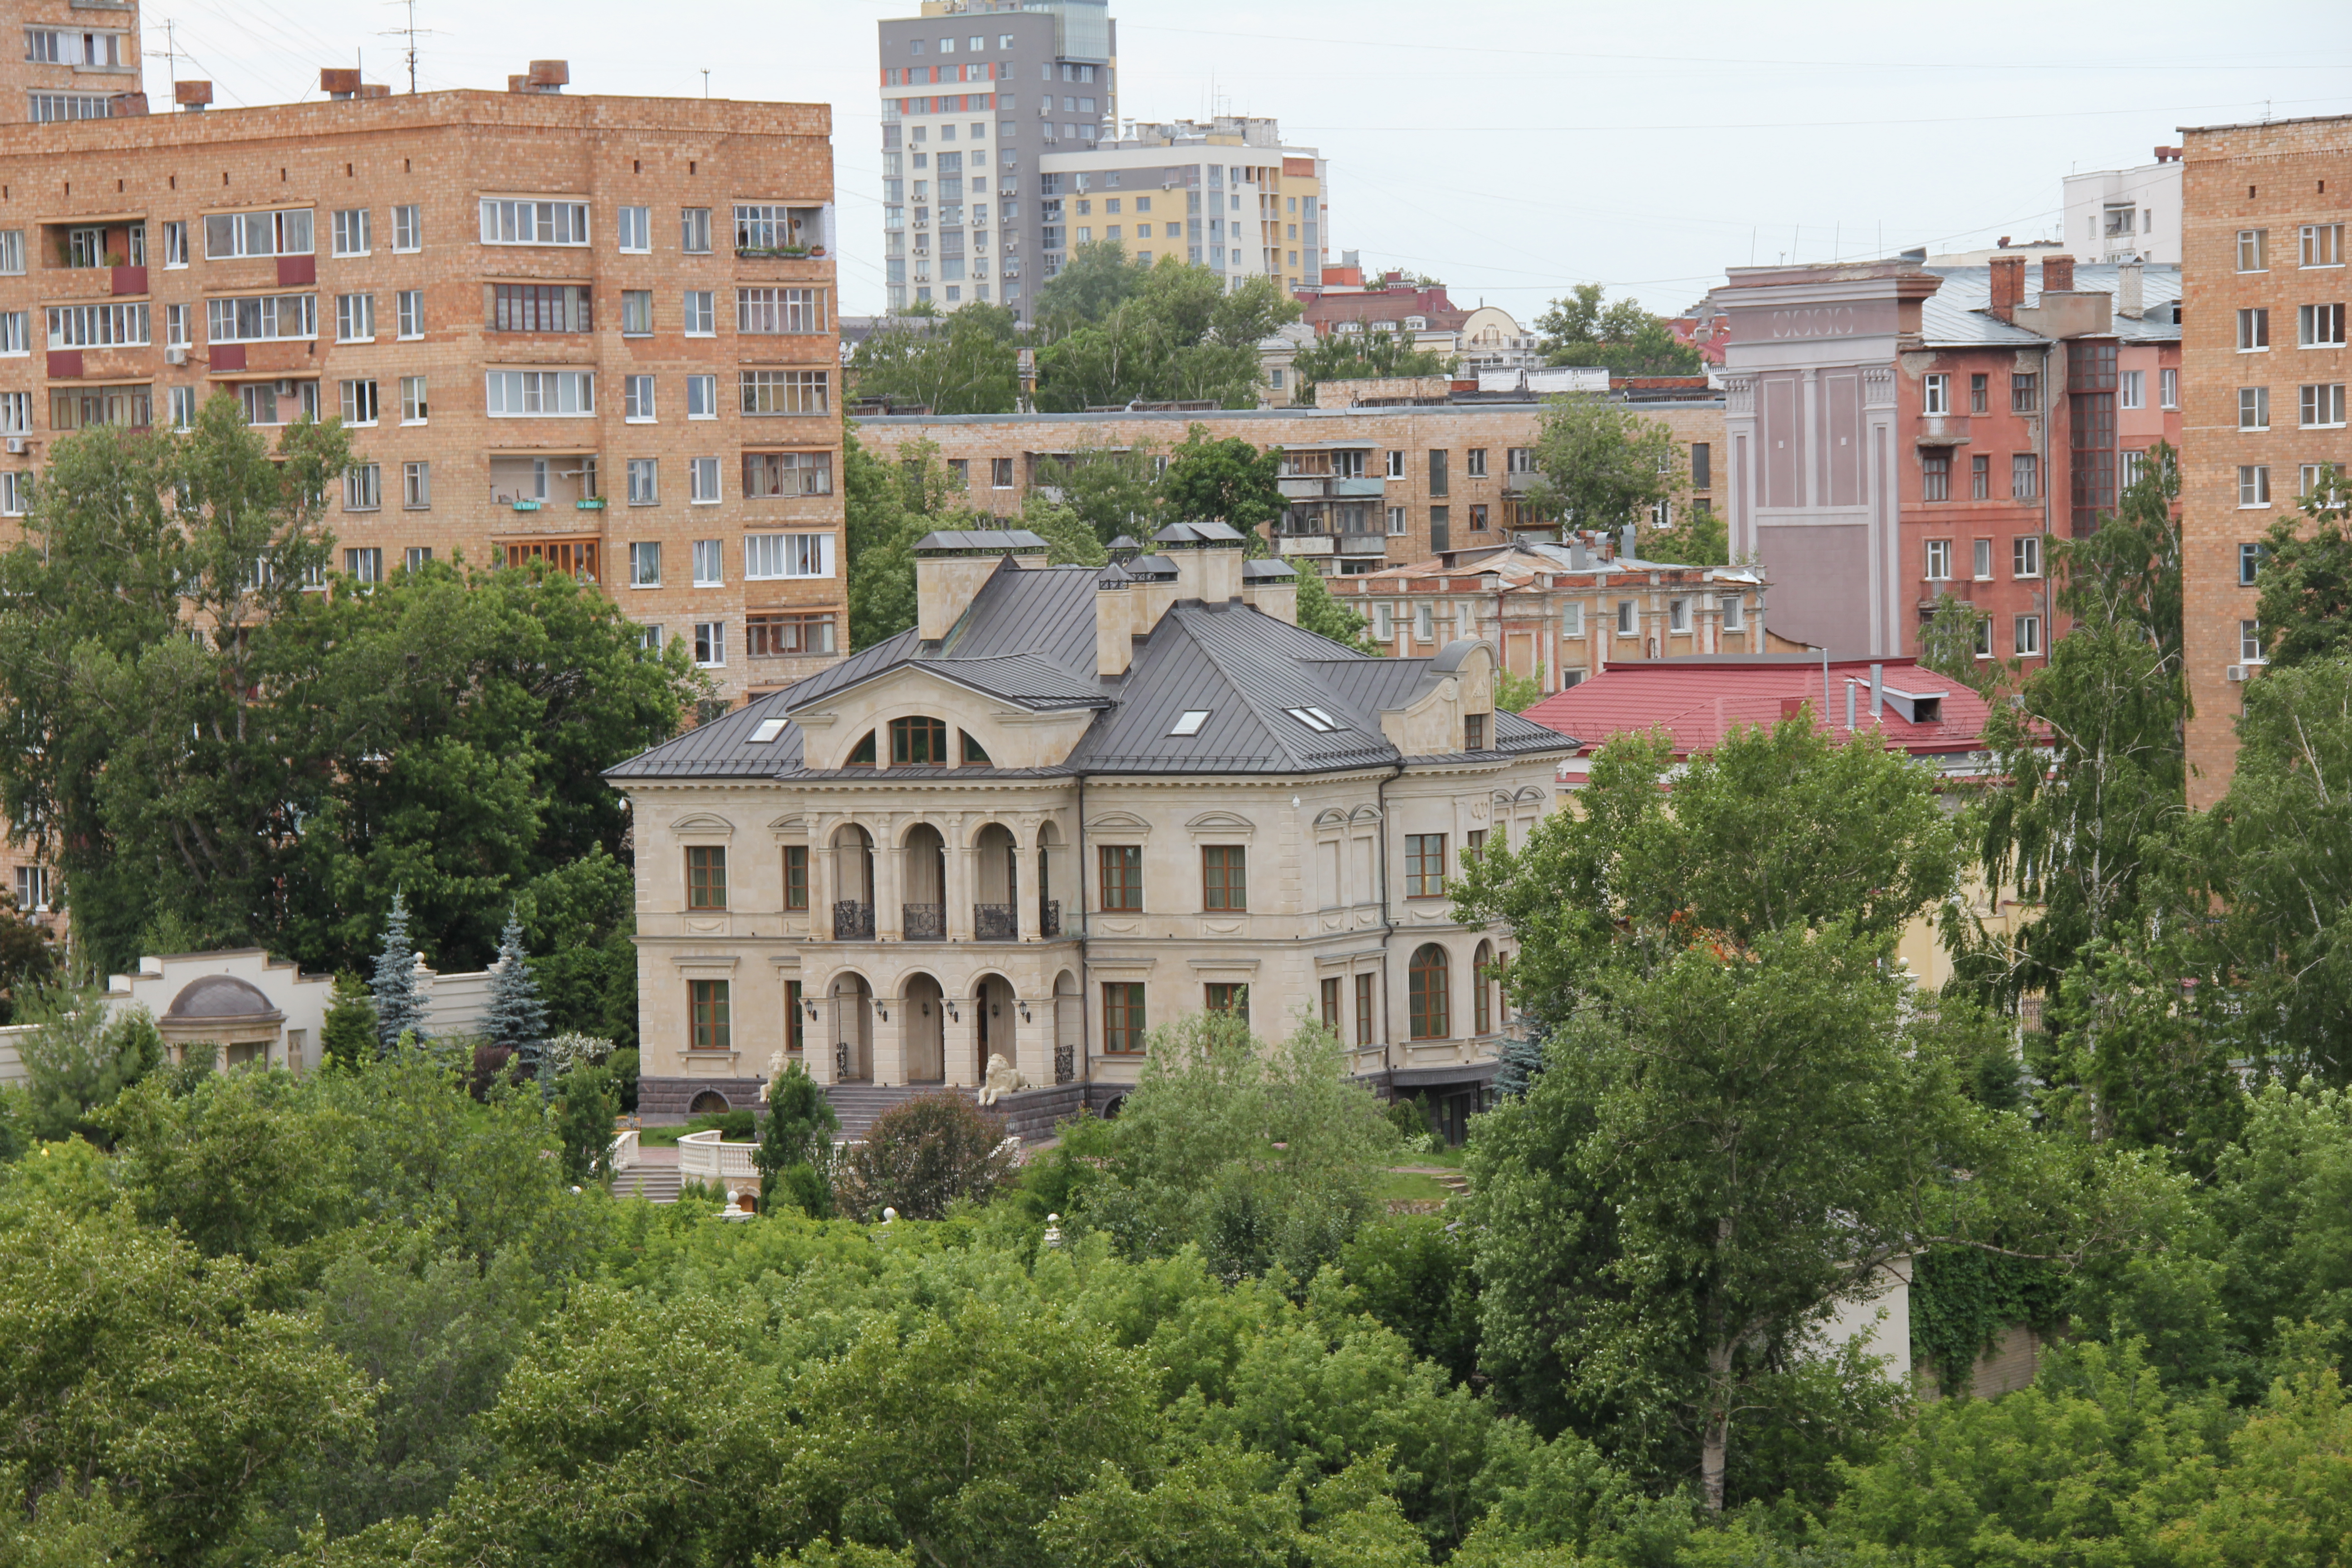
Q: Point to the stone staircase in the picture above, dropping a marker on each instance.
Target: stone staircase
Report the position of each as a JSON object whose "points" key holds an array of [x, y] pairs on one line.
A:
{"points": [[655, 1184], [857, 1104]]}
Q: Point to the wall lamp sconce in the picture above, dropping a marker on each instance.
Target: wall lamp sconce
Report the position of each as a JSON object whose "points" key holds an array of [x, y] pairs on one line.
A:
{"points": [[1024, 1012], [953, 1017], [884, 1011], [996, 1010], [812, 1009]]}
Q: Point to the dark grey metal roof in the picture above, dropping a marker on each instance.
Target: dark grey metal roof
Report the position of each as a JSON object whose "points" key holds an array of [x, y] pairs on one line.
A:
{"points": [[1268, 570], [1028, 638], [980, 539]]}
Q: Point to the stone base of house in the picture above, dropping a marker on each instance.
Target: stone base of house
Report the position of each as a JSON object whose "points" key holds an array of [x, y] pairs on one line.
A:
{"points": [[677, 1096]]}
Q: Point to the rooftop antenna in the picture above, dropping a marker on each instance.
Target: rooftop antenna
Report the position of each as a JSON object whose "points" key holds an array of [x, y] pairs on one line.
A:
{"points": [[412, 33], [170, 50]]}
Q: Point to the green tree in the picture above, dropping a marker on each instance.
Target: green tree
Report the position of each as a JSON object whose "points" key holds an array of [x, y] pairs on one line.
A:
{"points": [[399, 1007], [1228, 481], [1699, 537], [1600, 465], [2305, 603], [796, 1146], [166, 771], [1623, 339], [1113, 488], [1325, 614], [1069, 540], [1094, 281], [580, 918], [515, 1019], [583, 1123], [922, 1156], [965, 362], [889, 506], [349, 1036], [1171, 332], [78, 1059], [1361, 356], [1517, 693], [1948, 643]]}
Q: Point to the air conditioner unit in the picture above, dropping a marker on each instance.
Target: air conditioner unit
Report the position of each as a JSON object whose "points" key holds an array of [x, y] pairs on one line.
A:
{"points": [[286, 389], [2235, 672], [15, 446], [175, 355]]}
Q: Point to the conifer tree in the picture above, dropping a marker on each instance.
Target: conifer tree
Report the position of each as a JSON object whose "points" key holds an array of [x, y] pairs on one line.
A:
{"points": [[399, 1010], [516, 1018], [351, 1021]]}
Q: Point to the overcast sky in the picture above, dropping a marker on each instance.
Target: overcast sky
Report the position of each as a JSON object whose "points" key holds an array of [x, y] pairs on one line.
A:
{"points": [[1510, 147]]}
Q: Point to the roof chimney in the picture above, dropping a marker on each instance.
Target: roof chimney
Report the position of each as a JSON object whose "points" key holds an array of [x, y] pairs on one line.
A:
{"points": [[339, 82], [2008, 274], [2167, 155], [951, 565], [2128, 301], [550, 76], [191, 96], [2057, 275]]}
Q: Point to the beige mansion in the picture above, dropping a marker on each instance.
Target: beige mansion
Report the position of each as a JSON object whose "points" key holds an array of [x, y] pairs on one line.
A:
{"points": [[1069, 805]]}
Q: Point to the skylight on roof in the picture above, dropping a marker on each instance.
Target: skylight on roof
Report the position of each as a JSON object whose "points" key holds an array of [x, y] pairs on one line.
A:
{"points": [[1315, 718], [1189, 722], [768, 730]]}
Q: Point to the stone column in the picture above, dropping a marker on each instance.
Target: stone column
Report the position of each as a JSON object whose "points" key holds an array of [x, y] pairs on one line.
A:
{"points": [[889, 1039], [889, 884]]}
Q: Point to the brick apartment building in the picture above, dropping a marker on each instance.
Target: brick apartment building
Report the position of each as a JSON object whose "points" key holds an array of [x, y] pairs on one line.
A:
{"points": [[1900, 432], [80, 61], [1370, 485], [594, 330], [2264, 369]]}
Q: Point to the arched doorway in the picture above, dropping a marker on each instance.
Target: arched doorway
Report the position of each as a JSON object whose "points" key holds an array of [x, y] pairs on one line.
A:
{"points": [[996, 889], [923, 1029], [853, 884], [995, 1020], [852, 1029], [925, 909]]}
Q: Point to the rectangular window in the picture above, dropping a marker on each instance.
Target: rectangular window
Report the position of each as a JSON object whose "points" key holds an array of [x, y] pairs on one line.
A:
{"points": [[1939, 561], [709, 1028], [769, 311], [1979, 477], [359, 402], [644, 481], [2025, 475], [693, 230], [2319, 326], [1000, 473], [785, 391], [416, 485], [2322, 245], [414, 408], [179, 326], [283, 233], [354, 317], [1225, 877], [774, 634], [1734, 609], [702, 481], [16, 337], [523, 393], [1119, 884], [1473, 463], [711, 644], [767, 475], [1330, 1000], [764, 226], [351, 231], [796, 878], [265, 318], [2249, 562], [635, 226], [2133, 389], [49, 107], [1366, 1006], [699, 313], [1396, 520], [705, 878], [97, 326], [2253, 408], [709, 568], [15, 494], [637, 399], [1122, 1017], [2253, 249], [2321, 407], [534, 223], [2253, 331], [2025, 555], [1980, 394], [417, 557], [408, 312], [364, 488], [364, 565], [2028, 631], [2168, 388], [541, 307], [770, 556], [1936, 475], [702, 397], [2253, 485], [408, 229], [2250, 642], [1438, 473], [1424, 865], [1983, 555], [1227, 996], [175, 244], [1396, 465], [1935, 395], [2322, 481], [637, 313], [644, 564], [2025, 393]]}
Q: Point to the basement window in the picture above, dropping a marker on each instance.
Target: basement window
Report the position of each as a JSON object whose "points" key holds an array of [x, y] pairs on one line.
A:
{"points": [[1189, 722]]}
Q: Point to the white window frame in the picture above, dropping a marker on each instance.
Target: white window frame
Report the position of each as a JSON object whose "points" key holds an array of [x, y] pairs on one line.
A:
{"points": [[2319, 405], [1980, 558], [181, 403], [702, 481], [350, 232], [293, 231], [776, 557], [2253, 486], [548, 222], [1938, 568], [2168, 387], [634, 300], [416, 402], [175, 244], [524, 388], [2025, 556], [711, 644], [701, 396], [699, 312], [644, 481], [2250, 642], [361, 402], [416, 486], [637, 400], [633, 230], [2253, 408], [1395, 465], [645, 563], [407, 228], [1935, 395], [355, 318], [2025, 634], [2133, 392], [364, 488], [273, 317], [408, 313], [709, 563]]}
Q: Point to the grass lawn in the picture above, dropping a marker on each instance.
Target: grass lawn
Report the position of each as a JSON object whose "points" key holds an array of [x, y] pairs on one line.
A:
{"points": [[1450, 1159], [668, 1137], [1412, 1187]]}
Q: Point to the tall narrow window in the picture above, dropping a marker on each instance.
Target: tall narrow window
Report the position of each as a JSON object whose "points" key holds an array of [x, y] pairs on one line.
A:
{"points": [[1121, 883], [1225, 877], [706, 876], [1427, 1008], [1123, 1017], [796, 876], [1330, 1000], [1367, 1007], [708, 1002], [1936, 475], [1424, 865]]}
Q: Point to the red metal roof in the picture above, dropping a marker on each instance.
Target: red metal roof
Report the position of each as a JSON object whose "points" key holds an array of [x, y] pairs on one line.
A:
{"points": [[1699, 701]]}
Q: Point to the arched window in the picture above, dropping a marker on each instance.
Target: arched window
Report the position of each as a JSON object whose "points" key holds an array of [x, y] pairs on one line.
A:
{"points": [[1482, 979], [1426, 1002], [862, 754], [919, 743]]}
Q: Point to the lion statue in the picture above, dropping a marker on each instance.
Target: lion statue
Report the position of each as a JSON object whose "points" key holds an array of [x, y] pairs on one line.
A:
{"points": [[1002, 1079]]}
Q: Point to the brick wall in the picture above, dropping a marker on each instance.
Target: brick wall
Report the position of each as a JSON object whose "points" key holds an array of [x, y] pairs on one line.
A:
{"points": [[442, 153], [2274, 178], [1458, 429], [115, 21]]}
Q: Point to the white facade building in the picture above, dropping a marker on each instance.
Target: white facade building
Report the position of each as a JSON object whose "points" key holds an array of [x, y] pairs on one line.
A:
{"points": [[2125, 215]]}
